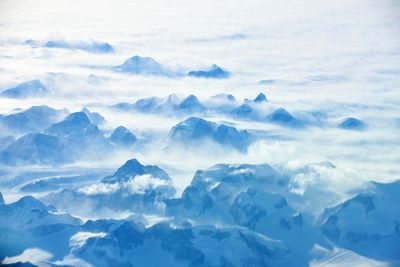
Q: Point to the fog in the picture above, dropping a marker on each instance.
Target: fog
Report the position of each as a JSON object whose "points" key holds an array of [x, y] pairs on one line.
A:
{"points": [[336, 57]]}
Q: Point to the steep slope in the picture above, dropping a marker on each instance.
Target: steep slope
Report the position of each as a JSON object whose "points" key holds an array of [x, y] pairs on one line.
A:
{"points": [[141, 65], [369, 223], [35, 148], [29, 223], [132, 188], [214, 72], [353, 124], [33, 119], [33, 88], [123, 137], [282, 117], [193, 131], [249, 196], [190, 104]]}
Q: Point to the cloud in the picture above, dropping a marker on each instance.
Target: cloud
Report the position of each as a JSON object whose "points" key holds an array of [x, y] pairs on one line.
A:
{"points": [[307, 73], [136, 185], [35, 256], [79, 239]]}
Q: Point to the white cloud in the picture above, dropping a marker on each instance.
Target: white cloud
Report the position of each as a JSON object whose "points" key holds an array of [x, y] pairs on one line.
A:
{"points": [[35, 256], [79, 239]]}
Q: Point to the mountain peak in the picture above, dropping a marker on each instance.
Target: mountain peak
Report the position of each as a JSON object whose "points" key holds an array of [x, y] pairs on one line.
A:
{"points": [[76, 125], [243, 110], [132, 168], [123, 136], [141, 65], [353, 124], [94, 117], [282, 117], [78, 117], [260, 98], [26, 89], [191, 104], [215, 72]]}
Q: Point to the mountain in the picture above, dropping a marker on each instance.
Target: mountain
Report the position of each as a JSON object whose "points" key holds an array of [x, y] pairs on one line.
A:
{"points": [[242, 111], [191, 104], [33, 88], [123, 106], [250, 196], [94, 117], [122, 136], [133, 187], [225, 97], [142, 65], [82, 138], [29, 223], [33, 119], [92, 47], [249, 210], [230, 136], [214, 71], [260, 98], [220, 104], [353, 124], [133, 168], [77, 126], [219, 186], [368, 223], [36, 148], [193, 130], [126, 243], [148, 104], [164, 245], [282, 117], [170, 105], [152, 104], [73, 138], [29, 212]]}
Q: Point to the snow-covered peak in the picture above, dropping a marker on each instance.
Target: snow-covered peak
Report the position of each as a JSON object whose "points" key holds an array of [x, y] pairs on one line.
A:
{"points": [[260, 98], [195, 129], [75, 125], [141, 65], [36, 148], [35, 118], [33, 88], [133, 168], [191, 104], [94, 117], [214, 71], [122, 136], [368, 223], [353, 124], [282, 117], [28, 212]]}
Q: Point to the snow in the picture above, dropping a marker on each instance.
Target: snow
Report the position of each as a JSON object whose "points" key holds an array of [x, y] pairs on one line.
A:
{"points": [[214, 71], [122, 144], [33, 88]]}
